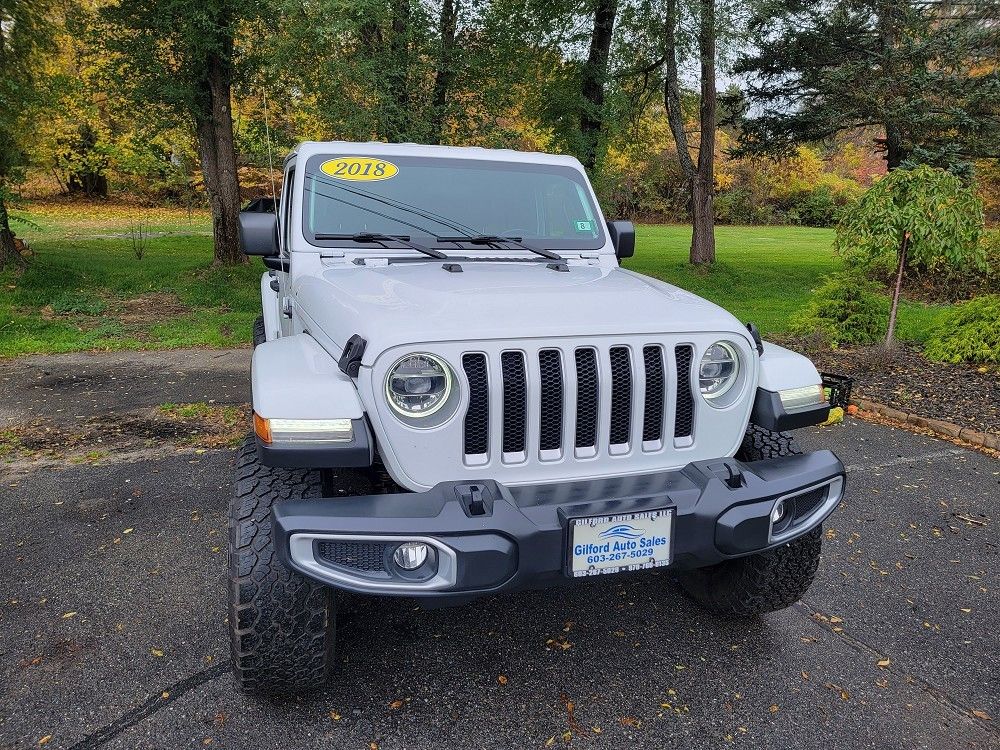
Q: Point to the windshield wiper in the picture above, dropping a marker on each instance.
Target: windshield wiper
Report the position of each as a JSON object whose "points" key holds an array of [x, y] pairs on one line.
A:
{"points": [[402, 239], [492, 239]]}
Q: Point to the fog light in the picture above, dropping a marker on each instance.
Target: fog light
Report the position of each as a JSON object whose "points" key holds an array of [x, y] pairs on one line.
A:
{"points": [[778, 512], [411, 555]]}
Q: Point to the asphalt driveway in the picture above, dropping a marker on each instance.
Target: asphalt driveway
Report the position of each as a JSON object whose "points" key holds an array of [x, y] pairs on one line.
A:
{"points": [[112, 612]]}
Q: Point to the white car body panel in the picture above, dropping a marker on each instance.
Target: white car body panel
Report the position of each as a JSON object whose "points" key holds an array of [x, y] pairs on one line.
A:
{"points": [[490, 307]]}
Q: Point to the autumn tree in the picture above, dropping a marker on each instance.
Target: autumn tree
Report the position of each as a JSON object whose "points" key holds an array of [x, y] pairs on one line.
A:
{"points": [[25, 36], [922, 217], [178, 58], [924, 73]]}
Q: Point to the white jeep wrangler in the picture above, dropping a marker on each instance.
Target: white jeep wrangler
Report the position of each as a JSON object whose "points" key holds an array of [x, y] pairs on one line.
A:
{"points": [[458, 391]]}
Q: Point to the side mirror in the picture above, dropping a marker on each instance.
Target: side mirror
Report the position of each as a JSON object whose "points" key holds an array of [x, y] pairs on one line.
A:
{"points": [[259, 233], [622, 238]]}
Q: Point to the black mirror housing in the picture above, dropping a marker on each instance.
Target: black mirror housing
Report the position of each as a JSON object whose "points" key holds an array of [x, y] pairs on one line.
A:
{"points": [[259, 233], [622, 238]]}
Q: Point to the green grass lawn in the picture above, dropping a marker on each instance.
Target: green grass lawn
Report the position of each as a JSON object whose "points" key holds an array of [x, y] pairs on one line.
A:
{"points": [[86, 289], [761, 274]]}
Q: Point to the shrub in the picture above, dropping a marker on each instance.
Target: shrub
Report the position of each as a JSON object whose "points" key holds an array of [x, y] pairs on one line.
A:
{"points": [[738, 206], [845, 309], [969, 332]]}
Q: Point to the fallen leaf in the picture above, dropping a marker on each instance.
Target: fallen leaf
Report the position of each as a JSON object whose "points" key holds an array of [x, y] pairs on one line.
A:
{"points": [[156, 652], [884, 662], [549, 742], [502, 679], [69, 615], [165, 694], [805, 675], [334, 716], [981, 715], [396, 704], [628, 721], [597, 730], [774, 708], [45, 740]]}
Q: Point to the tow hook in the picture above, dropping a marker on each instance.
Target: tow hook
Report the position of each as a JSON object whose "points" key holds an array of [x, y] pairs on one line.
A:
{"points": [[476, 499]]}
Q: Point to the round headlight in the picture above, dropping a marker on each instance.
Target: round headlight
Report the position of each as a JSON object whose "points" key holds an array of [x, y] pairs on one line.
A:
{"points": [[719, 369], [418, 385]]}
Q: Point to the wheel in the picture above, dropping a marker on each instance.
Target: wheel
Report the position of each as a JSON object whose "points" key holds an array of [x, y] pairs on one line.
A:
{"points": [[759, 443], [259, 332], [766, 581], [281, 624]]}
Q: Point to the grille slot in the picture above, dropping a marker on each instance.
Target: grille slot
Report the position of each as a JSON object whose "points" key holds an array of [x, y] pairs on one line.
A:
{"points": [[684, 415], [621, 395], [515, 402], [368, 557], [652, 414], [587, 389], [477, 418], [551, 396]]}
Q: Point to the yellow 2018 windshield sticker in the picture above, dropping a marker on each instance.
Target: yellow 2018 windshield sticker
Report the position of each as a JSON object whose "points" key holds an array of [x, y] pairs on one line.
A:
{"points": [[359, 168]]}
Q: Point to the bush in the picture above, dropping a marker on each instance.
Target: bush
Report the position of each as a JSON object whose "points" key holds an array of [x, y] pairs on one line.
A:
{"points": [[817, 208], [738, 206], [845, 309], [969, 332]]}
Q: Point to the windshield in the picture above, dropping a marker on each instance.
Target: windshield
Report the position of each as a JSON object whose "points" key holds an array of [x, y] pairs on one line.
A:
{"points": [[423, 198]]}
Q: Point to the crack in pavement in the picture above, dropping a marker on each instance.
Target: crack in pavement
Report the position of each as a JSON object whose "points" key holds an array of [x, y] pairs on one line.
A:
{"points": [[149, 707], [902, 460], [950, 703]]}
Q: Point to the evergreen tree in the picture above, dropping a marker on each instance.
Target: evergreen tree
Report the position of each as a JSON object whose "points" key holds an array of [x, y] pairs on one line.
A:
{"points": [[924, 72]]}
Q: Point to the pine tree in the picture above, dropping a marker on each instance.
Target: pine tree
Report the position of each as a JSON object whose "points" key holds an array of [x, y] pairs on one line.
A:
{"points": [[923, 72]]}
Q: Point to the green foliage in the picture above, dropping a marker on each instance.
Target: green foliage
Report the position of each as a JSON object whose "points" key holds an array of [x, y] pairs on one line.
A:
{"points": [[969, 332], [82, 302], [942, 217], [819, 67], [845, 309]]}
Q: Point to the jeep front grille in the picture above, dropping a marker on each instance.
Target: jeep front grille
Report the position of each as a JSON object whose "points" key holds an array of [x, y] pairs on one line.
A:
{"points": [[560, 394]]}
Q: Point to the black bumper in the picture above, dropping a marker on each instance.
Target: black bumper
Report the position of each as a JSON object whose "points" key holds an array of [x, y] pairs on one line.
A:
{"points": [[507, 538]]}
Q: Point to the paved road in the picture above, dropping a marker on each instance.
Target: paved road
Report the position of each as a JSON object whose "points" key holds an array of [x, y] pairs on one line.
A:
{"points": [[112, 614]]}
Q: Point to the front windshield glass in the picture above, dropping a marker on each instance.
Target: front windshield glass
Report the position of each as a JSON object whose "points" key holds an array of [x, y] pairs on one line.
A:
{"points": [[548, 206]]}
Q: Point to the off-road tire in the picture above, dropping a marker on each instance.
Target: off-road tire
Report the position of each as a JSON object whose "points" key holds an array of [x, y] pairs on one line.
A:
{"points": [[766, 581], [759, 443], [281, 624], [259, 332]]}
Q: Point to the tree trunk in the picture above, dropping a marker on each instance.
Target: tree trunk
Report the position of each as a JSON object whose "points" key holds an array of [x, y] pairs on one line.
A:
{"points": [[703, 192], [701, 176], [595, 72], [217, 150], [8, 252], [891, 330], [397, 127], [895, 152], [448, 23]]}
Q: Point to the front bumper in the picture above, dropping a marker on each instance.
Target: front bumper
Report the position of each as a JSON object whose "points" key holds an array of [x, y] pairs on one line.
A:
{"points": [[485, 538]]}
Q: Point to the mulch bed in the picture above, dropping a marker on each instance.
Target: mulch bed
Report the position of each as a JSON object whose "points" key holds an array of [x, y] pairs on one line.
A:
{"points": [[965, 395]]}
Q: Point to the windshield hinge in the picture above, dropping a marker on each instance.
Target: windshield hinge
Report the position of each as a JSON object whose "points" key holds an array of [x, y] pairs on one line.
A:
{"points": [[350, 359]]}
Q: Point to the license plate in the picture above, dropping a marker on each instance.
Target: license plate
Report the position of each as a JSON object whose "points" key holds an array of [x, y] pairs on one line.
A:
{"points": [[609, 544]]}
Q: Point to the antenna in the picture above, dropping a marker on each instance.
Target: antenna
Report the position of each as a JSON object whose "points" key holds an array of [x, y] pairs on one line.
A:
{"points": [[270, 158]]}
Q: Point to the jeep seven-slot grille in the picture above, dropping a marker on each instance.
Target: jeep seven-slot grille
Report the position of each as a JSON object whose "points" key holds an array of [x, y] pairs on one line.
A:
{"points": [[684, 419], [477, 418], [587, 395], [621, 395], [515, 402], [550, 420], [652, 413], [566, 387]]}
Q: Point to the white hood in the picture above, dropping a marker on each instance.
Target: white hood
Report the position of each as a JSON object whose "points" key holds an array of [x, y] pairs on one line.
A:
{"points": [[403, 303]]}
